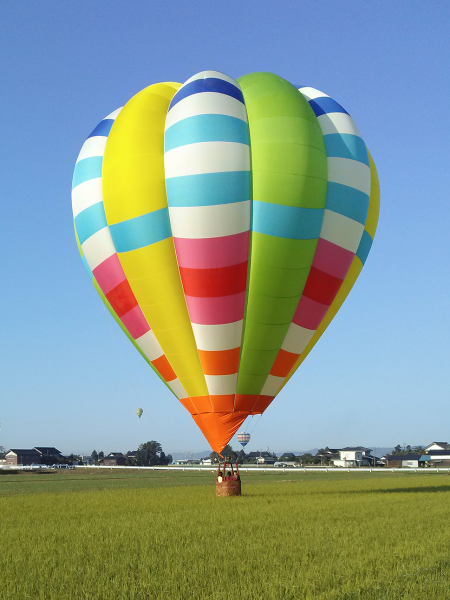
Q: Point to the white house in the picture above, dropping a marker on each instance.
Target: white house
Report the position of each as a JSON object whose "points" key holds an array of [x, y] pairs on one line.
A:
{"points": [[437, 446], [354, 456]]}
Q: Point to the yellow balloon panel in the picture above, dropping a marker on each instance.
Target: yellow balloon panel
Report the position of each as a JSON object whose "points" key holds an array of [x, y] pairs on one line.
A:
{"points": [[136, 210]]}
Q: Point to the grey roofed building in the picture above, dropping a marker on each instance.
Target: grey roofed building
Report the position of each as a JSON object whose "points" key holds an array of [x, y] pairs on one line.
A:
{"points": [[47, 451], [259, 454], [445, 452], [356, 448], [22, 456], [399, 457]]}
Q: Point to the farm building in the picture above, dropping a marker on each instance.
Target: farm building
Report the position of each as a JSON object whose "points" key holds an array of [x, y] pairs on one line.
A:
{"points": [[410, 460], [354, 456], [437, 458], [49, 455], [17, 456], [114, 459]]}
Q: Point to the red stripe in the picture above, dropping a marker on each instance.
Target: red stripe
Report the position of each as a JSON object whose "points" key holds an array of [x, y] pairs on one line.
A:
{"points": [[321, 287], [121, 298], [214, 283]]}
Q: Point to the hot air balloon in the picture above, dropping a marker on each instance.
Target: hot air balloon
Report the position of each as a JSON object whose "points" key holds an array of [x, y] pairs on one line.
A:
{"points": [[243, 438], [139, 412], [223, 223]]}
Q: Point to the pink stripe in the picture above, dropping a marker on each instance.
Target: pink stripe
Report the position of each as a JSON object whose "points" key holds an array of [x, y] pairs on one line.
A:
{"points": [[135, 322], [309, 313], [210, 253], [216, 311], [109, 274], [332, 259]]}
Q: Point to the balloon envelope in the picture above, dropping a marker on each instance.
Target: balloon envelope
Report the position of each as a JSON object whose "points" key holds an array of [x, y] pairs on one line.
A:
{"points": [[223, 223], [243, 438], [139, 412]]}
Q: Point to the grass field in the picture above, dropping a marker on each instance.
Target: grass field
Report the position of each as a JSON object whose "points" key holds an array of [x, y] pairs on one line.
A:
{"points": [[114, 535]]}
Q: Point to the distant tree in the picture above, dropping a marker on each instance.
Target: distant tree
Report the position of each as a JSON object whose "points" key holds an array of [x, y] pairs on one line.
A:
{"points": [[397, 450], [150, 454], [306, 458], [94, 456], [227, 452], [101, 455], [241, 457], [169, 459], [418, 450]]}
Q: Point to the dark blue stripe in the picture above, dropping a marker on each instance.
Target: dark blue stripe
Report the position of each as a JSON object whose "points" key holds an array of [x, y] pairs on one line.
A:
{"points": [[347, 201], [210, 84], [141, 231], [206, 128], [89, 221], [346, 145], [364, 247], [292, 222], [322, 106], [209, 188], [103, 128]]}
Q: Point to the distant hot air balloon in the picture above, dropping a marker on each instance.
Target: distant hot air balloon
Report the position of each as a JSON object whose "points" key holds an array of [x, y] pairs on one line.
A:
{"points": [[139, 412], [243, 438], [224, 261]]}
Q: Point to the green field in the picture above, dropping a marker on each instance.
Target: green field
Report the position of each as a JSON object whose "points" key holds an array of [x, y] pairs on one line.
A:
{"points": [[113, 535]]}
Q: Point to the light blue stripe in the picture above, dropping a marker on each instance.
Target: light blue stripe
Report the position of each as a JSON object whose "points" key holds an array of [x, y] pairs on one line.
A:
{"points": [[141, 231], [87, 267], [286, 221], [346, 145], [86, 169], [206, 128], [347, 201], [89, 221], [364, 247], [208, 189]]}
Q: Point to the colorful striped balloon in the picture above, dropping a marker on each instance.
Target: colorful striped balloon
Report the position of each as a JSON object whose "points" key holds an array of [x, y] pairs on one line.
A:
{"points": [[243, 438], [223, 223]]}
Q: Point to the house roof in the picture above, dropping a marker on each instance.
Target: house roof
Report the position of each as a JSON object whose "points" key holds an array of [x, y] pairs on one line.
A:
{"points": [[134, 453], [257, 454], [115, 455], [22, 451], [46, 450], [445, 452], [410, 456], [352, 448]]}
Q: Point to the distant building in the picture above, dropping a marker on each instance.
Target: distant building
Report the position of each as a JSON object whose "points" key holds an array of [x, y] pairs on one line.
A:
{"points": [[49, 455], [437, 446], [114, 459], [436, 458], [354, 456], [410, 460], [15, 457], [328, 455]]}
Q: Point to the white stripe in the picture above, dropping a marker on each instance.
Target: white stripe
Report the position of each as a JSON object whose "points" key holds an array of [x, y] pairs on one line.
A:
{"points": [[114, 114], [218, 337], [177, 388], [150, 345], [86, 194], [215, 75], [349, 172], [207, 157], [338, 123], [340, 230], [206, 103], [210, 221], [311, 93], [98, 248], [94, 146], [221, 384], [272, 385], [296, 339]]}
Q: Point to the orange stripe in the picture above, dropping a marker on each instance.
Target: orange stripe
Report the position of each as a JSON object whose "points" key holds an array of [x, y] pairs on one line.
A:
{"points": [[245, 402], [187, 403], [163, 367], [223, 403], [220, 362], [283, 363], [261, 404], [202, 404]]}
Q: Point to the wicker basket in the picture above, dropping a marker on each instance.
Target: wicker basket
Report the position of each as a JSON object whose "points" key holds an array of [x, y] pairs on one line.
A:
{"points": [[229, 486]]}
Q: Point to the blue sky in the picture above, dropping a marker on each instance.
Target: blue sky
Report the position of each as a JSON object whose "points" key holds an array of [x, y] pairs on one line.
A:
{"points": [[68, 376]]}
